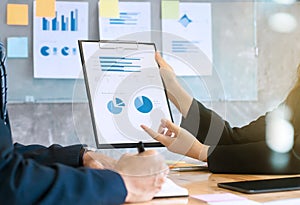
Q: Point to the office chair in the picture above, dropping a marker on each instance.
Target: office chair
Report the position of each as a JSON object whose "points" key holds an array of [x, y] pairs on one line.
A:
{"points": [[3, 79]]}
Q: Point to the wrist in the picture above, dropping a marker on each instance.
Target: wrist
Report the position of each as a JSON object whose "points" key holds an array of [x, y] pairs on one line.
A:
{"points": [[81, 156], [203, 153], [181, 99], [84, 156]]}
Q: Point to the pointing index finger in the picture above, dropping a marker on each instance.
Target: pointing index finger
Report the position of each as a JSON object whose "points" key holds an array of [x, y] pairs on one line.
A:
{"points": [[153, 134]]}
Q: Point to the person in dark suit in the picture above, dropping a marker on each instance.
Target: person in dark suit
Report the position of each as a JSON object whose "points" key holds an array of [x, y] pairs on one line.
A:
{"points": [[268, 145], [35, 174]]}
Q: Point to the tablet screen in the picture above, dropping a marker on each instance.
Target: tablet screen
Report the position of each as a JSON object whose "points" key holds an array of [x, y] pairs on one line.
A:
{"points": [[264, 185], [124, 90]]}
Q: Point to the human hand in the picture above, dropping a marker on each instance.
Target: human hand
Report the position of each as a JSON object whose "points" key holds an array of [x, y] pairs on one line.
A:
{"points": [[178, 96], [178, 140], [166, 71], [143, 174], [97, 160]]}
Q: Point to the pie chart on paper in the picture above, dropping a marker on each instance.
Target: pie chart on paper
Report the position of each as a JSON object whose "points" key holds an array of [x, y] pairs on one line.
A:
{"points": [[115, 106], [143, 104]]}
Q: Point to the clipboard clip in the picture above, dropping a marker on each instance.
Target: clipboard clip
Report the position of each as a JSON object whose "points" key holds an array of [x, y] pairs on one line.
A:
{"points": [[118, 44]]}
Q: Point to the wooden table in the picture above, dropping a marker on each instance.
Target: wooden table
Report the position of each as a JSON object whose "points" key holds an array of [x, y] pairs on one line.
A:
{"points": [[204, 182]]}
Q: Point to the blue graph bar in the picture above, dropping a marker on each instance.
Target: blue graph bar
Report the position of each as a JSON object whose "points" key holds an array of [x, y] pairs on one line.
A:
{"points": [[115, 62], [119, 64], [46, 24], [74, 20], [121, 70], [66, 22], [129, 13], [119, 58], [55, 23], [126, 18], [184, 46]]}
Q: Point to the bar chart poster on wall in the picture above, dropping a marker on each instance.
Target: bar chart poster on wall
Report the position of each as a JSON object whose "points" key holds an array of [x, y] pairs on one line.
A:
{"points": [[133, 23], [188, 37], [55, 41]]}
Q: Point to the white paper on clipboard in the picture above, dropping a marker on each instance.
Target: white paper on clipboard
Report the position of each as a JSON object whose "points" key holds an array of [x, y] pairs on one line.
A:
{"points": [[125, 90]]}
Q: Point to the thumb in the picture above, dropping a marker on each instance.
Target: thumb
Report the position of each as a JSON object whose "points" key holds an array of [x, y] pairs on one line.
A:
{"points": [[159, 137], [170, 126], [161, 62]]}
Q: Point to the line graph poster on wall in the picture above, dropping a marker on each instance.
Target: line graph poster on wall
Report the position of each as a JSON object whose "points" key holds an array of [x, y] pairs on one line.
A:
{"points": [[187, 40], [55, 41]]}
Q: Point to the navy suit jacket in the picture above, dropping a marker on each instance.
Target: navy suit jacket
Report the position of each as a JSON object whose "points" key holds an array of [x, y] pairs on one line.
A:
{"points": [[39, 175]]}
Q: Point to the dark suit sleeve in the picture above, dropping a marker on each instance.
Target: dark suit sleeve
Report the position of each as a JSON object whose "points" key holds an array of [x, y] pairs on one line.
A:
{"points": [[24, 181], [239, 150], [68, 155]]}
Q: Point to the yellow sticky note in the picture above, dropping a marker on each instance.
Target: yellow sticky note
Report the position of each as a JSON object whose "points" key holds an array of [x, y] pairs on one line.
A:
{"points": [[17, 14], [109, 9], [170, 9], [45, 8]]}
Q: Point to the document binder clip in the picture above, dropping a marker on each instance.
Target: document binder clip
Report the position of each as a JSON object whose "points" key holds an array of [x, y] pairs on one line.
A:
{"points": [[119, 45]]}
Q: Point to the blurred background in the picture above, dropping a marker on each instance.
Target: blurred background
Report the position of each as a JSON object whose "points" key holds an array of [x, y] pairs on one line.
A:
{"points": [[255, 54]]}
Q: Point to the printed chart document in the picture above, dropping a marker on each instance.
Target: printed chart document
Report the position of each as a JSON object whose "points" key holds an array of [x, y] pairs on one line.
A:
{"points": [[187, 41], [134, 23], [55, 39], [125, 90]]}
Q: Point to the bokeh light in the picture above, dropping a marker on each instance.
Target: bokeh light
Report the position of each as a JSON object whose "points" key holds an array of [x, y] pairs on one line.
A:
{"points": [[279, 130], [283, 22], [284, 1]]}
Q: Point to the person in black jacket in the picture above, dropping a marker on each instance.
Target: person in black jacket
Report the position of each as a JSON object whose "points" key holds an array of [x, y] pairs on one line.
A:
{"points": [[35, 174], [268, 145]]}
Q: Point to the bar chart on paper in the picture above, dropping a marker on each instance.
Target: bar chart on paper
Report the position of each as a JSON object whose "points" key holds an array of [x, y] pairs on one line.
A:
{"points": [[133, 21], [55, 40], [62, 22]]}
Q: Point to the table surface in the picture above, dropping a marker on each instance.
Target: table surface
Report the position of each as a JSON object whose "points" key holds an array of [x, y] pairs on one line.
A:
{"points": [[204, 182]]}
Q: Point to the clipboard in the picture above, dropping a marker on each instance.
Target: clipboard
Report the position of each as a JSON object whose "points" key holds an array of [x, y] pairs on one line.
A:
{"points": [[124, 90]]}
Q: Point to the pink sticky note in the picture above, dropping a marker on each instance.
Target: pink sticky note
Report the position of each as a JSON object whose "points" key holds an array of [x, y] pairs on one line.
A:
{"points": [[218, 197]]}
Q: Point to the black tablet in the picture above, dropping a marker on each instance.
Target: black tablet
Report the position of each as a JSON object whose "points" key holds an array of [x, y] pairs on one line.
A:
{"points": [[124, 90], [263, 185]]}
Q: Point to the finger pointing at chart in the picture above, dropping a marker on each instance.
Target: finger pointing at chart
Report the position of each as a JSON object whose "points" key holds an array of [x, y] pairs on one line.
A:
{"points": [[166, 134]]}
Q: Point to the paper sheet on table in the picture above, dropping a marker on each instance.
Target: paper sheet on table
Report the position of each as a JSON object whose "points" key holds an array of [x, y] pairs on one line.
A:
{"points": [[218, 197], [171, 189], [295, 201], [224, 199], [134, 23], [240, 202]]}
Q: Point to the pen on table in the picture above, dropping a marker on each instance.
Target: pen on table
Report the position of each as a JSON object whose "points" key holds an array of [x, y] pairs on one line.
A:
{"points": [[140, 147]]}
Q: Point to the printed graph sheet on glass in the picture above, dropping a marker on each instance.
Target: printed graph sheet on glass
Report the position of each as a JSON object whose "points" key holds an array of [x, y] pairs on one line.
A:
{"points": [[125, 90]]}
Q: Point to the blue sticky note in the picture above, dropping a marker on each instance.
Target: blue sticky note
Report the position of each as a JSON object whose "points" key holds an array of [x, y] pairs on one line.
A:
{"points": [[17, 47]]}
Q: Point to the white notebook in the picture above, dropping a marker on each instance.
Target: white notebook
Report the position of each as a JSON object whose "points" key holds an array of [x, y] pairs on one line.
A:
{"points": [[171, 189]]}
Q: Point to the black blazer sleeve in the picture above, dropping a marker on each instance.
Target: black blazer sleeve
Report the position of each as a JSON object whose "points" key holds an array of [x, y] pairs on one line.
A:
{"points": [[24, 181], [211, 129], [239, 150]]}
